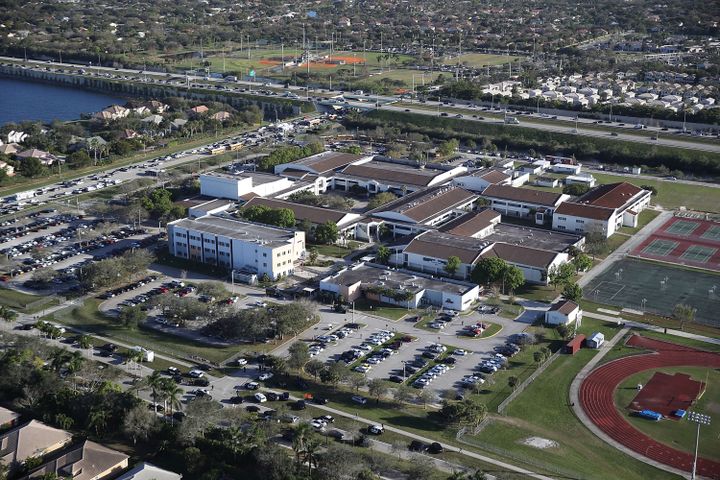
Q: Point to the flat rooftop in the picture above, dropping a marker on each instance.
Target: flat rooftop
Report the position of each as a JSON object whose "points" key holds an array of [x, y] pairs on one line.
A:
{"points": [[370, 274], [258, 178], [532, 237], [237, 229]]}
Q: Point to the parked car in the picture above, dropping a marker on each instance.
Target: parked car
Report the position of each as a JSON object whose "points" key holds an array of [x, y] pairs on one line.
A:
{"points": [[359, 399], [376, 429]]}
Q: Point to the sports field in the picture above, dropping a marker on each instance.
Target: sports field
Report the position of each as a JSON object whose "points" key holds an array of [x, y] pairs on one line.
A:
{"points": [[688, 238], [478, 59], [656, 288]]}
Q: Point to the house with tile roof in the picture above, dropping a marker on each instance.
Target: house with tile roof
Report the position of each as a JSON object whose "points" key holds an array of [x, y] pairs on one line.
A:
{"points": [[84, 461], [604, 209], [31, 439]]}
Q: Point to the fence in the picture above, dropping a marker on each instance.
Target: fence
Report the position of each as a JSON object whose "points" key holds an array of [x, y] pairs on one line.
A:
{"points": [[519, 389]]}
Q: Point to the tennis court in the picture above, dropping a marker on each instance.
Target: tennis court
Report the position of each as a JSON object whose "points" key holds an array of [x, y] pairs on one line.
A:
{"points": [[712, 233], [688, 238], [657, 288], [660, 247], [698, 253], [682, 227]]}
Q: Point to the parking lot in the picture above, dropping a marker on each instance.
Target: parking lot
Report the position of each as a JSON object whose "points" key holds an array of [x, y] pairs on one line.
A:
{"points": [[391, 365]]}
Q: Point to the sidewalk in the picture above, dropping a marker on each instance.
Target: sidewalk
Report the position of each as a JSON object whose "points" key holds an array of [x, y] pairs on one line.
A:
{"points": [[653, 328]]}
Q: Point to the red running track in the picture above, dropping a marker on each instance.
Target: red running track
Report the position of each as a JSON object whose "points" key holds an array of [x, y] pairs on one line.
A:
{"points": [[597, 391]]}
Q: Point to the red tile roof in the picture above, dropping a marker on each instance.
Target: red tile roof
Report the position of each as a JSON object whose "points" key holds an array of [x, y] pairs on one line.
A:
{"points": [[584, 211], [611, 195]]}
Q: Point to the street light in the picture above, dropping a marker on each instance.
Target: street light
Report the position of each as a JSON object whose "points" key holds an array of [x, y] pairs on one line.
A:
{"points": [[700, 419]]}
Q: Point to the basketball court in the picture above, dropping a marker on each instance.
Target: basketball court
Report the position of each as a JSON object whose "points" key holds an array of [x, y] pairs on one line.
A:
{"points": [[691, 239], [656, 288], [667, 393]]}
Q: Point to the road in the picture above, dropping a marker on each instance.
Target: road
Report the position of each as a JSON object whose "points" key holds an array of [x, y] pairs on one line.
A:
{"points": [[548, 126], [543, 123]]}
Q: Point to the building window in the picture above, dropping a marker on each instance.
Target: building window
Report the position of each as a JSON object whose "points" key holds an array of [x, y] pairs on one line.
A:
{"points": [[562, 218], [577, 220]]}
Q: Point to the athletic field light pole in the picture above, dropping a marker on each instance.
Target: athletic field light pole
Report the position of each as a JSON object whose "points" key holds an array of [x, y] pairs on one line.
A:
{"points": [[700, 419]]}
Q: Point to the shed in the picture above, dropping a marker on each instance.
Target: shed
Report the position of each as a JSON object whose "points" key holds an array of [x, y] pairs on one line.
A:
{"points": [[596, 340], [575, 344]]}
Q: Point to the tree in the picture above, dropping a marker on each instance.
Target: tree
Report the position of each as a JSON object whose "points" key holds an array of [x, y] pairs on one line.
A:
{"points": [[7, 315], [596, 243], [383, 254], [403, 393], [448, 147], [512, 382], [299, 355], [513, 278], [452, 265], [306, 445], [561, 274], [468, 412], [326, 233], [314, 367], [684, 314], [131, 317], [576, 189], [357, 380], [381, 199], [582, 262], [313, 256], [333, 374], [31, 167], [140, 423], [572, 291], [79, 159], [488, 270], [377, 388]]}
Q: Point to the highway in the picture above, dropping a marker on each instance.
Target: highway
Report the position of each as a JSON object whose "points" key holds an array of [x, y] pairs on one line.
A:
{"points": [[365, 101]]}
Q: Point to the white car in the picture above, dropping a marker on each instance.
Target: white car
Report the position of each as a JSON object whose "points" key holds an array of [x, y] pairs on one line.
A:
{"points": [[376, 429], [260, 398], [196, 373], [318, 424], [265, 376], [242, 362], [252, 385], [460, 352]]}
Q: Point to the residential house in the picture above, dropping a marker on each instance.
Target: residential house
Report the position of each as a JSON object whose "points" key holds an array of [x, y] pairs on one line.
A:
{"points": [[155, 119], [199, 110], [114, 112], [85, 461], [128, 134], [563, 312], [157, 107], [9, 169], [147, 471], [8, 418], [31, 439], [221, 116], [44, 157], [9, 148]]}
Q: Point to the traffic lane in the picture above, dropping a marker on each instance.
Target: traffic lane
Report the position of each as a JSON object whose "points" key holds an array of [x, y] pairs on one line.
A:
{"points": [[570, 130]]}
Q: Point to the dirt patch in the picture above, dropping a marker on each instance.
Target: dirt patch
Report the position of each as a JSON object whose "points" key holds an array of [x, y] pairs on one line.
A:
{"points": [[269, 62], [347, 59], [539, 442]]}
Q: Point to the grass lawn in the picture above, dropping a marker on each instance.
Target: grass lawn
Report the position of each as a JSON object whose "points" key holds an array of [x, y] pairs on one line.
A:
{"points": [[25, 302], [672, 194], [540, 293], [479, 59], [87, 317], [646, 216], [406, 75], [657, 320], [677, 434], [492, 330], [333, 250], [543, 410], [388, 311], [614, 242], [510, 310]]}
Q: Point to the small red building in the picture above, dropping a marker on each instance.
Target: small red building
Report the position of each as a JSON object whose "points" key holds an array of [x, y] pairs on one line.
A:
{"points": [[575, 344]]}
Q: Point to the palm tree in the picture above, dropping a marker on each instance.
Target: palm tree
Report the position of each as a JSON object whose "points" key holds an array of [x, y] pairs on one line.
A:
{"points": [[155, 382], [172, 395], [98, 420], [58, 358], [306, 446]]}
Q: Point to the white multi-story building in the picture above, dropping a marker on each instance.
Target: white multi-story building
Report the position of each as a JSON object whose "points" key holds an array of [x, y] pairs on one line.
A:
{"points": [[237, 245], [603, 209]]}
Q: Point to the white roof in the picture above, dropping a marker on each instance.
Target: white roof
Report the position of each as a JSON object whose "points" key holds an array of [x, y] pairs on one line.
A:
{"points": [[146, 471], [597, 337]]}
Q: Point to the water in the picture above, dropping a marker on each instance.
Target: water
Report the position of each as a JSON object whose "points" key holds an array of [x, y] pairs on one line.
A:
{"points": [[22, 100]]}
